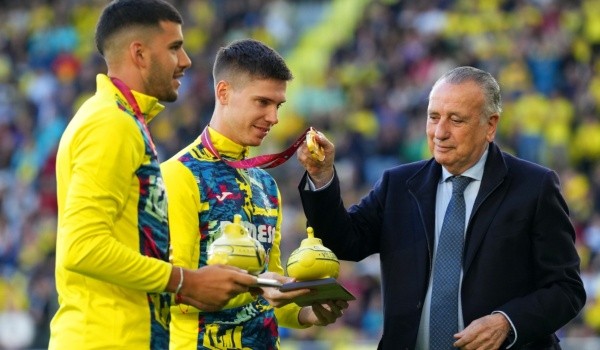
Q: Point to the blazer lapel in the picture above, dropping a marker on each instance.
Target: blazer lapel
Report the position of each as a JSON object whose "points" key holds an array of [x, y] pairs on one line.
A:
{"points": [[494, 175], [423, 187]]}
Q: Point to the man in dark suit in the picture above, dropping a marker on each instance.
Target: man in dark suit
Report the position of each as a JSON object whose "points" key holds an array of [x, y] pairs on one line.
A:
{"points": [[518, 270]]}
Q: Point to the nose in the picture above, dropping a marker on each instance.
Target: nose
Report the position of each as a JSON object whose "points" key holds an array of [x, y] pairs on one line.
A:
{"points": [[441, 129], [184, 60], [272, 115]]}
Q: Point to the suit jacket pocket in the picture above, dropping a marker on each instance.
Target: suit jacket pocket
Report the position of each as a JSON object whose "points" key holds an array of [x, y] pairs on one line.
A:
{"points": [[512, 227]]}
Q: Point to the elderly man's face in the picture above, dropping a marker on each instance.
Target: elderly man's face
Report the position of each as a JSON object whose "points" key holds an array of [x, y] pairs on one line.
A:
{"points": [[457, 131]]}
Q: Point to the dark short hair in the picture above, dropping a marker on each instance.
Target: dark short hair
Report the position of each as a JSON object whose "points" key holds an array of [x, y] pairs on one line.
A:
{"points": [[121, 14], [251, 57], [487, 83]]}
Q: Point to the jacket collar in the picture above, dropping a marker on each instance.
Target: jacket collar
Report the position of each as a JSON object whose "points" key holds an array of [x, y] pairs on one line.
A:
{"points": [[149, 105], [226, 147], [425, 181]]}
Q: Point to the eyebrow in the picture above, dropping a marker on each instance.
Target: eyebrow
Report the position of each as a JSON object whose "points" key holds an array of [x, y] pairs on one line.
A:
{"points": [[260, 97], [176, 43]]}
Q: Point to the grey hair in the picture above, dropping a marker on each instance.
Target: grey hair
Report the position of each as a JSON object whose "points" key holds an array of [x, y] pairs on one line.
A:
{"points": [[488, 84]]}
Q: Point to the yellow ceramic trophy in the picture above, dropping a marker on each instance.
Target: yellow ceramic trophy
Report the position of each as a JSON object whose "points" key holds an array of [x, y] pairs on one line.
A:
{"points": [[316, 267], [237, 248], [312, 260]]}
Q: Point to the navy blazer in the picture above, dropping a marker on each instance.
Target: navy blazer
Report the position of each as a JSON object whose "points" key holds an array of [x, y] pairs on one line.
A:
{"points": [[519, 254]]}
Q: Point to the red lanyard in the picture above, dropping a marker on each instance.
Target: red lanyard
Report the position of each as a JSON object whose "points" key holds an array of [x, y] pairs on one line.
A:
{"points": [[264, 161], [136, 109]]}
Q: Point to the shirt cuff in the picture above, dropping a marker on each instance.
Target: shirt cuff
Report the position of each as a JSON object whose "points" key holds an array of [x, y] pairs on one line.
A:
{"points": [[512, 335], [311, 185]]}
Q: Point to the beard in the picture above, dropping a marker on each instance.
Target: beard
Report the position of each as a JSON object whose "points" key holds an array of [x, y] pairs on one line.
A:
{"points": [[159, 84]]}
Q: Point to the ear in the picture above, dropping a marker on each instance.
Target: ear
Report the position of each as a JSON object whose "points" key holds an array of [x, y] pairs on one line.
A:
{"points": [[222, 92], [138, 54], [492, 126]]}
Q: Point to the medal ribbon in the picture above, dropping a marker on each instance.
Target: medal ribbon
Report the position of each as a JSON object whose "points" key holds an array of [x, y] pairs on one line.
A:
{"points": [[126, 91], [263, 161]]}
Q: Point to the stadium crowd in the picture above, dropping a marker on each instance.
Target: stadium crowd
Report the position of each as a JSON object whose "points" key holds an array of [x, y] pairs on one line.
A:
{"points": [[366, 90]]}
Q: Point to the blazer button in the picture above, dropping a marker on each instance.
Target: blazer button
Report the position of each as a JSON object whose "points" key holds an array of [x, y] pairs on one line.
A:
{"points": [[419, 305]]}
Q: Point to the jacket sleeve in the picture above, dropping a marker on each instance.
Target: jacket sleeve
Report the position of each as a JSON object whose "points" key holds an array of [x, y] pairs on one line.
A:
{"points": [[351, 234], [102, 168], [183, 208], [559, 294]]}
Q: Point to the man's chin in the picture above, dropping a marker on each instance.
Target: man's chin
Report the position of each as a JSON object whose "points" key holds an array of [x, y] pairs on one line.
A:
{"points": [[441, 158], [171, 98]]}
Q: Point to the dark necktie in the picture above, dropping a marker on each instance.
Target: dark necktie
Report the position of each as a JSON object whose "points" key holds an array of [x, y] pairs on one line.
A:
{"points": [[443, 323]]}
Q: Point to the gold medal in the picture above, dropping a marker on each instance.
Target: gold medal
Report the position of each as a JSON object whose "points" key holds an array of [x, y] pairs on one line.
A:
{"points": [[313, 146]]}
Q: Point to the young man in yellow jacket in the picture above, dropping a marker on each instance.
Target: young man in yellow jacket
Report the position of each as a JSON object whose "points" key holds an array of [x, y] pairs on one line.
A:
{"points": [[206, 188]]}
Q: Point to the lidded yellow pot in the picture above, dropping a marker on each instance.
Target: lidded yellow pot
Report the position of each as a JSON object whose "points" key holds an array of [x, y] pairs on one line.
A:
{"points": [[312, 260], [237, 248]]}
